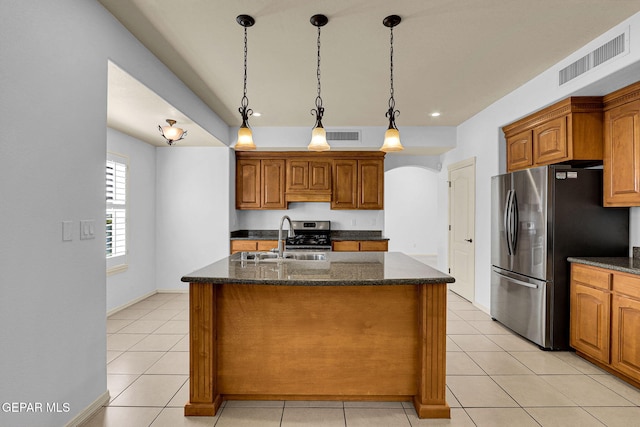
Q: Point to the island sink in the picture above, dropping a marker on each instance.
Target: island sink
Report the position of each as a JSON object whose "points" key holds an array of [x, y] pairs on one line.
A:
{"points": [[286, 256]]}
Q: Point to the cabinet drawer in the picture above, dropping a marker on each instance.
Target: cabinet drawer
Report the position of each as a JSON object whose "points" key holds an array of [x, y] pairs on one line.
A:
{"points": [[374, 245], [592, 276], [243, 245], [627, 284], [266, 245], [346, 246]]}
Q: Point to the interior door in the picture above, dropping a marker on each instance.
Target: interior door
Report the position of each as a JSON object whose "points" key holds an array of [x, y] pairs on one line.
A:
{"points": [[462, 193]]}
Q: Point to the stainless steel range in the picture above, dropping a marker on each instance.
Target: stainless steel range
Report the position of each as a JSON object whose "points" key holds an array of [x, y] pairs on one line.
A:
{"points": [[310, 235]]}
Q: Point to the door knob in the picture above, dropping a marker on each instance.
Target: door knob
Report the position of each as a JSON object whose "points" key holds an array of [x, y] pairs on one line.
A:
{"points": [[468, 240]]}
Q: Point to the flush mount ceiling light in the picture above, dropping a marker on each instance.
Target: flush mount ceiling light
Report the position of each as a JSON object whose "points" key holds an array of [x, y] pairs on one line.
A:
{"points": [[170, 133], [318, 134], [245, 136], [392, 135]]}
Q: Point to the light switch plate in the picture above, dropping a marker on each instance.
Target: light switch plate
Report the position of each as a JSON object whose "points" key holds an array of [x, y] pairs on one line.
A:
{"points": [[87, 229], [67, 231]]}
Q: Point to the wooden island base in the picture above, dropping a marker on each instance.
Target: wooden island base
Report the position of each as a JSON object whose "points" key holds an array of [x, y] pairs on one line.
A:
{"points": [[269, 342]]}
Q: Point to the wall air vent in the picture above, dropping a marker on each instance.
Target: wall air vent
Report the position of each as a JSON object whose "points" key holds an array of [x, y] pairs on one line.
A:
{"points": [[593, 59], [346, 136]]}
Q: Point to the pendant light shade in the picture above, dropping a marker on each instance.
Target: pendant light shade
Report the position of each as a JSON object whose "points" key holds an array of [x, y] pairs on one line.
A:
{"points": [[245, 136], [170, 133], [392, 135], [318, 134]]}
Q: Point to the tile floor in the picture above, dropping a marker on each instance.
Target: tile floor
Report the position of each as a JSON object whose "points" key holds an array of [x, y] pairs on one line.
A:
{"points": [[494, 378]]}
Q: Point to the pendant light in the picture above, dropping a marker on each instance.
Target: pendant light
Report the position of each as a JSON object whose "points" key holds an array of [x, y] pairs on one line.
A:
{"points": [[170, 133], [245, 136], [318, 134], [392, 135]]}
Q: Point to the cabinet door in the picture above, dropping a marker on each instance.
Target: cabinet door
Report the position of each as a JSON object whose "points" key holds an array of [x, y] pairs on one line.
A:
{"points": [[248, 194], [590, 310], [370, 184], [519, 151], [273, 184], [319, 176], [550, 142], [267, 245], [297, 175], [345, 184], [625, 340], [622, 155]]}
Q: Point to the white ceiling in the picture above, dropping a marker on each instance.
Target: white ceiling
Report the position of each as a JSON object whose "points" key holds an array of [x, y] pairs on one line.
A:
{"points": [[451, 56]]}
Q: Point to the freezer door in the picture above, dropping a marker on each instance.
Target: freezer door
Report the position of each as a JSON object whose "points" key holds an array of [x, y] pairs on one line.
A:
{"points": [[521, 304]]}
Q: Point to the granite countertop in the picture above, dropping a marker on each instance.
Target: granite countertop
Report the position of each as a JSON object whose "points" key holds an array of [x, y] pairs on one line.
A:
{"points": [[336, 235], [339, 269], [622, 264]]}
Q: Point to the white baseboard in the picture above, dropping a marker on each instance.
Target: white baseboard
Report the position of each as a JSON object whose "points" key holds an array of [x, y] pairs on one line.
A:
{"points": [[89, 410], [130, 303], [173, 291]]}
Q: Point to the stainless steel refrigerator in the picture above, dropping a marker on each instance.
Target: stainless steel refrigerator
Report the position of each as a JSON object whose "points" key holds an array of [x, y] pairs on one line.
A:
{"points": [[539, 217]]}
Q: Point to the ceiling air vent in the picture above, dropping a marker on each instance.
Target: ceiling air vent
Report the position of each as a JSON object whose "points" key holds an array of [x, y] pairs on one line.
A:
{"points": [[346, 136], [593, 59]]}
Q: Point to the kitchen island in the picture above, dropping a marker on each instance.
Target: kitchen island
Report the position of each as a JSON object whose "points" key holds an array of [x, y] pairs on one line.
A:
{"points": [[337, 326]]}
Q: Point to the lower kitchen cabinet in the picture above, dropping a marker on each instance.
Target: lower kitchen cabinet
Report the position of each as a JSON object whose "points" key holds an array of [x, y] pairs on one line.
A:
{"points": [[625, 325], [360, 246], [252, 245], [605, 319]]}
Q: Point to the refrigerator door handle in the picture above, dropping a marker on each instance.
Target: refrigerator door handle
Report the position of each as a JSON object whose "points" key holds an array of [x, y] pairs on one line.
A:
{"points": [[519, 282], [507, 222], [515, 221]]}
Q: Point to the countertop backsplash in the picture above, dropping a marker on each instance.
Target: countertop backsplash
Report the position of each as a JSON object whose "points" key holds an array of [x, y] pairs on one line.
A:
{"points": [[340, 219]]}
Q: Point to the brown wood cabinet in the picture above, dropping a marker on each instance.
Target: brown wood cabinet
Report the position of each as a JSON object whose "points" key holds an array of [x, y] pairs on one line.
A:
{"points": [[360, 245], [308, 180], [260, 184], [347, 179], [622, 147], [358, 184], [568, 131], [605, 319], [252, 245], [590, 311]]}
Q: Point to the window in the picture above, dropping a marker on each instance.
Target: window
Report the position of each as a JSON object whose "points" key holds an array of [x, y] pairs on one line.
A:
{"points": [[116, 215]]}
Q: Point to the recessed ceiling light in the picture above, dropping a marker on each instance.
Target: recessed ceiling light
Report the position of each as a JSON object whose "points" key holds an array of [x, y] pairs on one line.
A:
{"points": [[256, 114], [435, 114]]}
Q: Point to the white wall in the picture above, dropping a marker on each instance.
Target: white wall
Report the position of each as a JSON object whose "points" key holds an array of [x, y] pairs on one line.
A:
{"points": [[341, 219], [481, 137], [192, 216], [411, 210], [140, 277], [53, 82]]}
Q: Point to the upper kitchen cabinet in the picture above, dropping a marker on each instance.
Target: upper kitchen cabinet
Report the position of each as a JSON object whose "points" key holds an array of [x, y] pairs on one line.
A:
{"points": [[569, 131], [358, 183], [622, 147], [308, 180], [260, 183]]}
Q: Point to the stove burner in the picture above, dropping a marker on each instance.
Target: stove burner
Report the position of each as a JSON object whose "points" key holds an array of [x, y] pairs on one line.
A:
{"points": [[310, 235]]}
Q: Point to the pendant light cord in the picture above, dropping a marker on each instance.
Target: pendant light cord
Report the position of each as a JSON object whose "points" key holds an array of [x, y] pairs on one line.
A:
{"points": [[392, 113], [392, 102], [319, 109], [245, 100]]}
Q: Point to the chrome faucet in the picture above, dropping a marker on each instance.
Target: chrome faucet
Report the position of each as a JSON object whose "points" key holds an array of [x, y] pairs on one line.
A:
{"points": [[280, 240]]}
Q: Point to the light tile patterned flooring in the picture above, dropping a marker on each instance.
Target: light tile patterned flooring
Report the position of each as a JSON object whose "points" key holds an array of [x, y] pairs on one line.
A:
{"points": [[494, 378]]}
